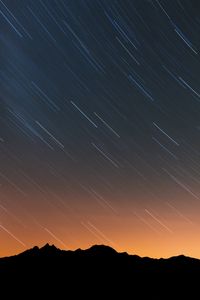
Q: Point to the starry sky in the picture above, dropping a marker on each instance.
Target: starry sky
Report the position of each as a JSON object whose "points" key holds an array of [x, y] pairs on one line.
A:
{"points": [[100, 125]]}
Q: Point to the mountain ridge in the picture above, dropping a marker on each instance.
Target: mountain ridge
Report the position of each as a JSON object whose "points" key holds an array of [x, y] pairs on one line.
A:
{"points": [[102, 268], [97, 248]]}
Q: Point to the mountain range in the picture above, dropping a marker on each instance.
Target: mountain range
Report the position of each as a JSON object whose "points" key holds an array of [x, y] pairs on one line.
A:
{"points": [[103, 269]]}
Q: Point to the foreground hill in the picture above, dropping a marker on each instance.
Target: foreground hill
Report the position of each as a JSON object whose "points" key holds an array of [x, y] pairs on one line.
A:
{"points": [[102, 269]]}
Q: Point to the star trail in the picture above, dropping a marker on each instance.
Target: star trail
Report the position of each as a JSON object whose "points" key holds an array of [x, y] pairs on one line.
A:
{"points": [[100, 125]]}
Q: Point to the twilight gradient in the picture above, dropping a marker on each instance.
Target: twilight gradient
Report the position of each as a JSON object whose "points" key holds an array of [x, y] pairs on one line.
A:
{"points": [[100, 125]]}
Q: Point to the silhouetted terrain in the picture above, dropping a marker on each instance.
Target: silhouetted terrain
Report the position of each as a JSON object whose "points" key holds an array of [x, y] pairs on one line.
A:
{"points": [[102, 268]]}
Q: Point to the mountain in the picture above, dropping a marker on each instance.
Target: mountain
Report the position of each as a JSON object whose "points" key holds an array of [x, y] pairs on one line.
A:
{"points": [[103, 269]]}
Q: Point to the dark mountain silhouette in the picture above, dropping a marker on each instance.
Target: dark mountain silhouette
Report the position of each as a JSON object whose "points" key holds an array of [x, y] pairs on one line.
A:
{"points": [[103, 269]]}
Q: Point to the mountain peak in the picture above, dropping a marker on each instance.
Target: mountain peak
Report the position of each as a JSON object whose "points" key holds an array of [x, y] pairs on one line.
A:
{"points": [[101, 249], [49, 248]]}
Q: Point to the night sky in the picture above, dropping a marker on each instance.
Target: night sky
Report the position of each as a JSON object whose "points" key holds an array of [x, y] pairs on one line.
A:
{"points": [[100, 125]]}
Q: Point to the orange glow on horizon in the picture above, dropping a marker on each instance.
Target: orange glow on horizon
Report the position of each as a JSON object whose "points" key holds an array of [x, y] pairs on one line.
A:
{"points": [[159, 231]]}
